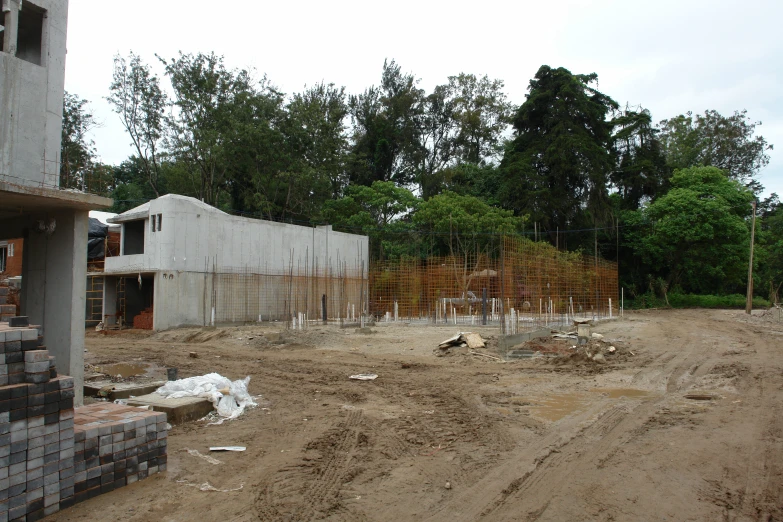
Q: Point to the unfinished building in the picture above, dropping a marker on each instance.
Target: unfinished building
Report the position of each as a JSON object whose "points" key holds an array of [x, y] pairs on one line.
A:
{"points": [[183, 262], [52, 221]]}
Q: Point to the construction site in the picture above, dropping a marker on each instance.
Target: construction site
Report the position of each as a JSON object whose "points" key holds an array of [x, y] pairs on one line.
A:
{"points": [[363, 353]]}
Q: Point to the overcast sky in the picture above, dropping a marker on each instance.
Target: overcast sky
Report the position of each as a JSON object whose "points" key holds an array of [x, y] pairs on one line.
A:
{"points": [[671, 56]]}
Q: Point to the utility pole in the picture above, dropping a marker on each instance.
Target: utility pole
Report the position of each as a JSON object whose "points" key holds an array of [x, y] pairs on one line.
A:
{"points": [[749, 299]]}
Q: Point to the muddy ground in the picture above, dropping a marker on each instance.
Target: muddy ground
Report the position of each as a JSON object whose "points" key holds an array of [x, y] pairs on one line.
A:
{"points": [[464, 437]]}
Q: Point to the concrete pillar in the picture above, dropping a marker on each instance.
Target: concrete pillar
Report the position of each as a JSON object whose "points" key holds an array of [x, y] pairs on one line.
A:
{"points": [[109, 300], [54, 287], [11, 9]]}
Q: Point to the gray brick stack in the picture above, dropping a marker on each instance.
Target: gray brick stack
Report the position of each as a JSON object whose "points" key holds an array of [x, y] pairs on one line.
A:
{"points": [[115, 446], [48, 461]]}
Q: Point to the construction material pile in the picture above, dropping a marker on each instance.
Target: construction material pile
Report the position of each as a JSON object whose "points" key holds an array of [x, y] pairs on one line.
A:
{"points": [[228, 398], [143, 321], [461, 342]]}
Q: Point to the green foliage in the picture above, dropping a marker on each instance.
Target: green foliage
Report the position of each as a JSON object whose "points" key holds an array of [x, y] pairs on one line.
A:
{"points": [[699, 237], [215, 119], [768, 257], [380, 211], [126, 196], [464, 223], [725, 142], [387, 129], [641, 172], [77, 149], [136, 96], [576, 162], [677, 300], [557, 165]]}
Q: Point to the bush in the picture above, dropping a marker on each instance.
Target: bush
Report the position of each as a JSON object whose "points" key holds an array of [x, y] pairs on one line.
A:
{"points": [[677, 300]]}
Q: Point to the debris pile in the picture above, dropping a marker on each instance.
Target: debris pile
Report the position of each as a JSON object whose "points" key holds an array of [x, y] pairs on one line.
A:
{"points": [[143, 321], [562, 348], [228, 398], [463, 340]]}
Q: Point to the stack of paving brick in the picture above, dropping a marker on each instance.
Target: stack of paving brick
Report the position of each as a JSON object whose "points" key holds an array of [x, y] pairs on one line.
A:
{"points": [[36, 429], [116, 445], [46, 464]]}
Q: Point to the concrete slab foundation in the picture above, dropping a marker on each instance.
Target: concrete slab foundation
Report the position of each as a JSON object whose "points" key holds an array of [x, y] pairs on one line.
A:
{"points": [[119, 390], [177, 410]]}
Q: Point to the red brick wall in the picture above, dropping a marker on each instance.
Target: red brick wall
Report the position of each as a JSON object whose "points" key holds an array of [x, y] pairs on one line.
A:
{"points": [[13, 264]]}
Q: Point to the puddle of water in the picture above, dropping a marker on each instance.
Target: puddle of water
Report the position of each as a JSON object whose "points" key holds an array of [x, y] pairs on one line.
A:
{"points": [[555, 407], [124, 370], [616, 393]]}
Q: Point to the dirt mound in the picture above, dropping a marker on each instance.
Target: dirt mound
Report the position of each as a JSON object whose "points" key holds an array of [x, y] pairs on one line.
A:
{"points": [[192, 335]]}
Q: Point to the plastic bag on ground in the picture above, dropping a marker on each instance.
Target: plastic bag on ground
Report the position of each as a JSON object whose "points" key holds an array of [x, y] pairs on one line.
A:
{"points": [[212, 387]]}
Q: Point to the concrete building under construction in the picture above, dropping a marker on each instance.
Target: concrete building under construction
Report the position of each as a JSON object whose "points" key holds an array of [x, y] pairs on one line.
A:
{"points": [[183, 262]]}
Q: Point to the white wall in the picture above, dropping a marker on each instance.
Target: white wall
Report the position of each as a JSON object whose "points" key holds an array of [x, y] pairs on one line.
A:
{"points": [[31, 106]]}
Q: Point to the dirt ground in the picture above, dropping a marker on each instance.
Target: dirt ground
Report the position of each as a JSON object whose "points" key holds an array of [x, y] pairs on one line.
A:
{"points": [[465, 437]]}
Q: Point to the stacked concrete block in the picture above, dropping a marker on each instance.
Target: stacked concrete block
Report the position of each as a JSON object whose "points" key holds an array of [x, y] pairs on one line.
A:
{"points": [[44, 457], [36, 449], [115, 446]]}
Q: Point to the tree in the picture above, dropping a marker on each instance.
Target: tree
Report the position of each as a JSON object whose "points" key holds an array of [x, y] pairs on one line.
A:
{"points": [[769, 276], [641, 172], [482, 114], [77, 152], [387, 127], [699, 236], [559, 160], [137, 98], [464, 224], [216, 111], [725, 142], [463, 227], [317, 133], [462, 122], [438, 135], [379, 211]]}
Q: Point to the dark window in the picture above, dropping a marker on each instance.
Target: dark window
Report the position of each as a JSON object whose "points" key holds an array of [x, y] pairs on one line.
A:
{"points": [[152, 223], [160, 221], [2, 31], [3, 256], [29, 40], [133, 238]]}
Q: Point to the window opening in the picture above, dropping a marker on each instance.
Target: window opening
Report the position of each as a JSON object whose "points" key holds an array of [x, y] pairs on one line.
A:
{"points": [[3, 256], [29, 38], [2, 29], [152, 222], [160, 221], [133, 238]]}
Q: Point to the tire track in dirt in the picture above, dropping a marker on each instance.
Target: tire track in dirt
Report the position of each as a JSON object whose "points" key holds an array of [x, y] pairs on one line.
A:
{"points": [[282, 498], [553, 461]]}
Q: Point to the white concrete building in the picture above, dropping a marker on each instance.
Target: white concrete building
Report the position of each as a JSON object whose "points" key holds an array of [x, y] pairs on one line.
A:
{"points": [[193, 264], [53, 222]]}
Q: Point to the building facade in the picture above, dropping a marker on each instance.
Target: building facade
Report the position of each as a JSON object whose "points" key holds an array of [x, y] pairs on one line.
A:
{"points": [[52, 222], [186, 263]]}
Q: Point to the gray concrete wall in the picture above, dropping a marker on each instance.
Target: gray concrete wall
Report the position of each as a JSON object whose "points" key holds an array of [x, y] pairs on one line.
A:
{"points": [[31, 104], [194, 234]]}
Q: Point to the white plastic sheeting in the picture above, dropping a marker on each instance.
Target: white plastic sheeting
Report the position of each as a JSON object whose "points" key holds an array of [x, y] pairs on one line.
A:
{"points": [[228, 398]]}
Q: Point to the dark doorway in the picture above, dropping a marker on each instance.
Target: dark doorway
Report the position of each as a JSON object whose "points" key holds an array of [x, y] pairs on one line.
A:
{"points": [[138, 299]]}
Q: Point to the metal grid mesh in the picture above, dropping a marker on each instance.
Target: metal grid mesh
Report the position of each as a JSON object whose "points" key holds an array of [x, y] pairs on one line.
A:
{"points": [[526, 284]]}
